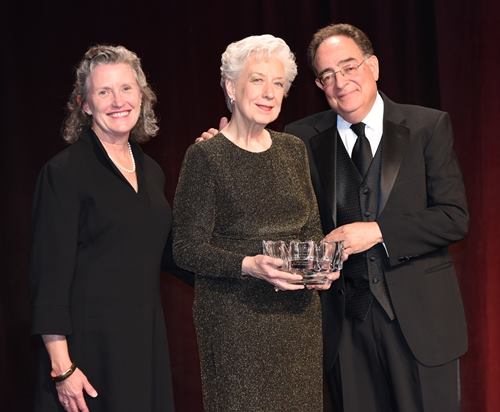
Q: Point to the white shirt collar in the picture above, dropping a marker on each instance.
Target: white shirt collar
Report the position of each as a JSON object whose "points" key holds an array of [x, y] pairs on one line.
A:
{"points": [[374, 122]]}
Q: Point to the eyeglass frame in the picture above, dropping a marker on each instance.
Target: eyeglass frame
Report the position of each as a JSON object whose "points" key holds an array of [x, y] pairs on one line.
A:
{"points": [[341, 70]]}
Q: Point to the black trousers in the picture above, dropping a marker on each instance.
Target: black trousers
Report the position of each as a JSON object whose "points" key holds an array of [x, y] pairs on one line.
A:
{"points": [[376, 372]]}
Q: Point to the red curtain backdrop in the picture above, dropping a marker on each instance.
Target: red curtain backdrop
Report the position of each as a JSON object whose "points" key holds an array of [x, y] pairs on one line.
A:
{"points": [[443, 54], [469, 80]]}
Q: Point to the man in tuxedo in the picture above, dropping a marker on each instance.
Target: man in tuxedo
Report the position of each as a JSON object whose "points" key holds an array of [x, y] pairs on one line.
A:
{"points": [[389, 186]]}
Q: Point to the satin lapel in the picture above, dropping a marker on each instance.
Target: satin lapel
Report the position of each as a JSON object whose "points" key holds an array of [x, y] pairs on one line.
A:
{"points": [[324, 149], [326, 121], [394, 142]]}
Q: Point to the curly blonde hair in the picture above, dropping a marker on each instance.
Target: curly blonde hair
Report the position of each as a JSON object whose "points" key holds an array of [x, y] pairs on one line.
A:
{"points": [[76, 120]]}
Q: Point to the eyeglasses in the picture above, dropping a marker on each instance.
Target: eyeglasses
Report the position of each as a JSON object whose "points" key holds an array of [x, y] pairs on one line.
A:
{"points": [[328, 77]]}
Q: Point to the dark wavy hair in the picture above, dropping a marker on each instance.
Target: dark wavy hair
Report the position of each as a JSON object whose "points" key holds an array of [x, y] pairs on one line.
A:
{"points": [[340, 29], [76, 120]]}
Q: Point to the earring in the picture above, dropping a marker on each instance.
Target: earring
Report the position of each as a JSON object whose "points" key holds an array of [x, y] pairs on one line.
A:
{"points": [[231, 101]]}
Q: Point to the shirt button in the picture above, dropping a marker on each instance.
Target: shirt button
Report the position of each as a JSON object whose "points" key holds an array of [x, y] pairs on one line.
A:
{"points": [[375, 280], [373, 258], [367, 214], [365, 191]]}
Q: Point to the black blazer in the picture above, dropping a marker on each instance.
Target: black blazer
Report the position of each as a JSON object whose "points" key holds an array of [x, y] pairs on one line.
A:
{"points": [[423, 209]]}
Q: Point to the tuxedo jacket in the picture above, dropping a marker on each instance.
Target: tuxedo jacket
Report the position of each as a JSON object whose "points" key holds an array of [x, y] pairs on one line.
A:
{"points": [[422, 210]]}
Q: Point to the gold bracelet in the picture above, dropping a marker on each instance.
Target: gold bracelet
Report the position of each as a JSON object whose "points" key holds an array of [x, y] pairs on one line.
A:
{"points": [[64, 375]]}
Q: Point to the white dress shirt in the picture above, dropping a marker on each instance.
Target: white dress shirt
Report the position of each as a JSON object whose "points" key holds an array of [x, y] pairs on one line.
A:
{"points": [[374, 122]]}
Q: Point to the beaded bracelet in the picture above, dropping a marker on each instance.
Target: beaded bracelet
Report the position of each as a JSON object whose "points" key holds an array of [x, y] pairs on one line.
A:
{"points": [[64, 375]]}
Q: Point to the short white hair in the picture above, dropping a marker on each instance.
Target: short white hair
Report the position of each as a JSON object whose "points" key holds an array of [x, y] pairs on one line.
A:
{"points": [[236, 55]]}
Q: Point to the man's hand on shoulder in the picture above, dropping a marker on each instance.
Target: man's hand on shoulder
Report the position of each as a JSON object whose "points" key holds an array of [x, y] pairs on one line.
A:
{"points": [[212, 131]]}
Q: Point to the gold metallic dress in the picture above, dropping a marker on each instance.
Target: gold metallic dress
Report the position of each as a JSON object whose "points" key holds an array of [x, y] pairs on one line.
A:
{"points": [[259, 350]]}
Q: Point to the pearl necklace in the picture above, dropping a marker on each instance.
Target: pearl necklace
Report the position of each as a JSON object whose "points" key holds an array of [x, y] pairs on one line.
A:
{"points": [[131, 170]]}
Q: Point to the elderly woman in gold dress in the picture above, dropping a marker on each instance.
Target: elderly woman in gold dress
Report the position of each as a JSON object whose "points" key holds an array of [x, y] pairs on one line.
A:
{"points": [[258, 330]]}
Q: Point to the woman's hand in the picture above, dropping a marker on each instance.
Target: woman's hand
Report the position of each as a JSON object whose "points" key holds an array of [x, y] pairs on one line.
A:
{"points": [[70, 392], [330, 278], [268, 268]]}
